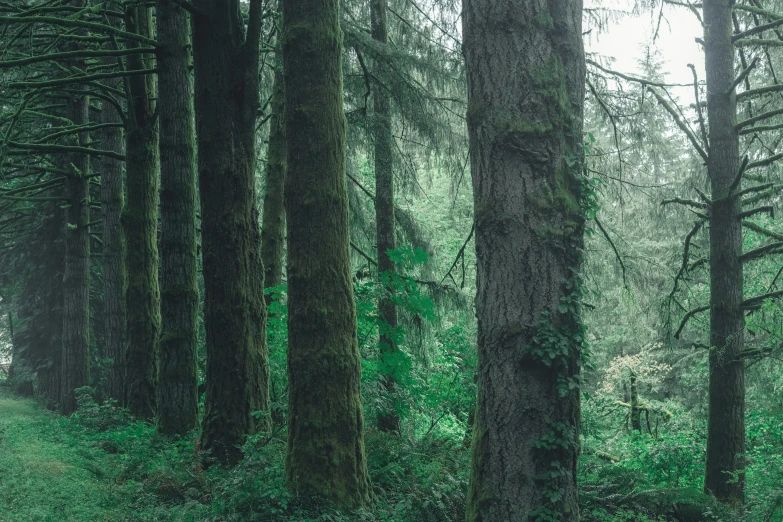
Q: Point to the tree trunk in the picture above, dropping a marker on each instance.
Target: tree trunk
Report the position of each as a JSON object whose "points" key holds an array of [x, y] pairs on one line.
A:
{"points": [[725, 477], [178, 384], [325, 438], [273, 230], [19, 372], [42, 304], [384, 219], [76, 289], [115, 274], [526, 74], [226, 63], [636, 412], [140, 220]]}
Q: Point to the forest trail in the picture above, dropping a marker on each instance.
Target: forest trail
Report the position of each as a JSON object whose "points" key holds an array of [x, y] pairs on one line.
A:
{"points": [[45, 476]]}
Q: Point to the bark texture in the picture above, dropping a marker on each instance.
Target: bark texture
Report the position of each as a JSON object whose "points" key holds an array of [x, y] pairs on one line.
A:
{"points": [[325, 440], [725, 477], [636, 411], [42, 301], [226, 64], [273, 229], [384, 215], [76, 290], [140, 220], [525, 65], [178, 377], [115, 272]]}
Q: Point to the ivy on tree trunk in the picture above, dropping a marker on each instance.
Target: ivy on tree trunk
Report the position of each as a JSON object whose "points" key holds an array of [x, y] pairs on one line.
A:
{"points": [[526, 76]]}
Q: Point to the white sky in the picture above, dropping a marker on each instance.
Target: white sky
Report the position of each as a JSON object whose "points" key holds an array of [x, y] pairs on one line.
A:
{"points": [[627, 40]]}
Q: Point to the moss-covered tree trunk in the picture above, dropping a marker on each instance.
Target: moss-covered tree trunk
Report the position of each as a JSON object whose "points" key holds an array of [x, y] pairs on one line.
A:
{"points": [[75, 369], [178, 383], [725, 477], [526, 73], [42, 304], [226, 67], [384, 217], [140, 220], [273, 229], [325, 440], [115, 274]]}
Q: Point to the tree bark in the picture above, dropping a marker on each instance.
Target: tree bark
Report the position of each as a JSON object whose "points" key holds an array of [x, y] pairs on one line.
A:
{"points": [[115, 273], [384, 218], [273, 229], [636, 412], [140, 220], [526, 73], [42, 304], [178, 383], [76, 289], [325, 440], [725, 476], [226, 64]]}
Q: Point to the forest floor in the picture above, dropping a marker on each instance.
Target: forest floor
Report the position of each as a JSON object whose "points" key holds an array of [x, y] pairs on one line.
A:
{"points": [[44, 475]]}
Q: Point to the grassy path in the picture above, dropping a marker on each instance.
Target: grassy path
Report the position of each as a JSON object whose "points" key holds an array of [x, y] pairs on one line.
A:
{"points": [[44, 474]]}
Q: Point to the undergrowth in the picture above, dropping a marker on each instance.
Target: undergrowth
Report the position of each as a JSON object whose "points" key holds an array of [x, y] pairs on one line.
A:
{"points": [[100, 465]]}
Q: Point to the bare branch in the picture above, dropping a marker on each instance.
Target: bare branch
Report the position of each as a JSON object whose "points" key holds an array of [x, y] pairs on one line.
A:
{"points": [[768, 209], [680, 123], [688, 318]]}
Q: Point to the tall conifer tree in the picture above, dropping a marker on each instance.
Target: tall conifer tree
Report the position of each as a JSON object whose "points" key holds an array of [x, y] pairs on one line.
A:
{"points": [[325, 440], [226, 59], [526, 74]]}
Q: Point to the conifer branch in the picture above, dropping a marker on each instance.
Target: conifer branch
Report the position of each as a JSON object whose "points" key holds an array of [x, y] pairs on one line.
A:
{"points": [[755, 303], [52, 148], [760, 117], [767, 209], [751, 190], [757, 42], [756, 30], [685, 256], [769, 89], [82, 78], [688, 318], [699, 112], [741, 78], [74, 54], [767, 161], [761, 230], [70, 22], [614, 248], [756, 253], [680, 123]]}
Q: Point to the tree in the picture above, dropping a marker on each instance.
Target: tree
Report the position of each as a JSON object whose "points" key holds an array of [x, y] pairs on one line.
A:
{"points": [[325, 440], [115, 270], [726, 425], [525, 95], [76, 296], [384, 214], [226, 60], [178, 382], [140, 220], [273, 229]]}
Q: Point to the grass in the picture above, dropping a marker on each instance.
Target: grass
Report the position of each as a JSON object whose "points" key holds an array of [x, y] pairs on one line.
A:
{"points": [[43, 479]]}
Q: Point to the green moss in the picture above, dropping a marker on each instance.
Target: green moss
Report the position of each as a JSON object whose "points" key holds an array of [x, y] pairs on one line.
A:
{"points": [[479, 494], [476, 112], [528, 127], [549, 82], [544, 20]]}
